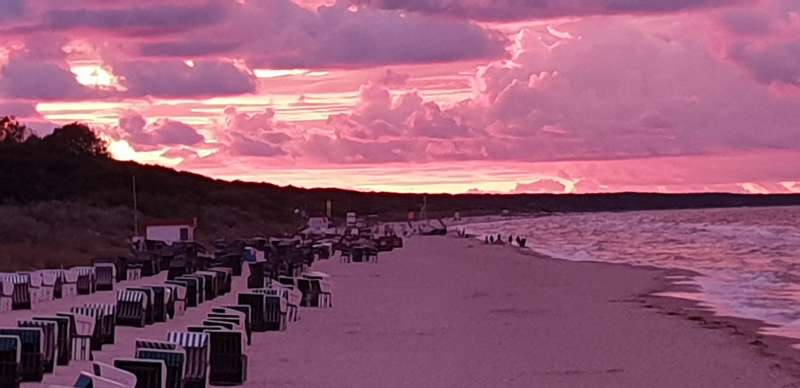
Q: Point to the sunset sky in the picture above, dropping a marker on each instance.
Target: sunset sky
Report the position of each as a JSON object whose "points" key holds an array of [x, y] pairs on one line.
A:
{"points": [[562, 96]]}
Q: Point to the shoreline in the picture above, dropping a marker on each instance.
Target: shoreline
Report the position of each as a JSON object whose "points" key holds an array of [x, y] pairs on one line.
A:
{"points": [[665, 298]]}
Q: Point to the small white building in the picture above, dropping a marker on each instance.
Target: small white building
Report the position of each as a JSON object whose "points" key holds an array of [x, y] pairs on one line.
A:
{"points": [[170, 231], [319, 226]]}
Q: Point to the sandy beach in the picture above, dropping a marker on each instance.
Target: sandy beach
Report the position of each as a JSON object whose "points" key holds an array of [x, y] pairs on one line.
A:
{"points": [[446, 312]]}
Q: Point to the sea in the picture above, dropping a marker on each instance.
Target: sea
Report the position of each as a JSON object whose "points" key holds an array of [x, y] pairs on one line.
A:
{"points": [[748, 259]]}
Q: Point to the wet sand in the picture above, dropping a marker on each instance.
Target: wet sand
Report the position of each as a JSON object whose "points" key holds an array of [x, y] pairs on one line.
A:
{"points": [[446, 312]]}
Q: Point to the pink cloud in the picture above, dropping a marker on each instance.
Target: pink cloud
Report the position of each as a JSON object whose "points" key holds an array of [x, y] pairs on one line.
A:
{"points": [[162, 132], [173, 78], [540, 186], [498, 10]]}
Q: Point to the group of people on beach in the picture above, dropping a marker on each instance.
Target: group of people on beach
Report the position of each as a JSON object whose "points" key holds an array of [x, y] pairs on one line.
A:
{"points": [[498, 240]]}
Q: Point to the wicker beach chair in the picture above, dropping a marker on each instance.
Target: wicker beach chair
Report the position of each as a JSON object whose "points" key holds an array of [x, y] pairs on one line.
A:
{"points": [[159, 303], [127, 379], [227, 274], [178, 296], [201, 286], [21, 291], [69, 287], [190, 285], [149, 302], [175, 361], [193, 289], [31, 346], [49, 341], [107, 313], [228, 360], [10, 361], [49, 279], [63, 339], [81, 335], [98, 334], [106, 276], [197, 350], [131, 308], [85, 283], [293, 299], [6, 295], [242, 309], [149, 373], [211, 284], [269, 311]]}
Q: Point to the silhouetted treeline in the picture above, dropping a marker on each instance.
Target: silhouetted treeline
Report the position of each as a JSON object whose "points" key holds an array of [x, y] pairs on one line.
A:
{"points": [[72, 164]]}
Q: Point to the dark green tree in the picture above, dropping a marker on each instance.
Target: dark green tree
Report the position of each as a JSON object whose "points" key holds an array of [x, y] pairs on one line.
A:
{"points": [[76, 139], [12, 131]]}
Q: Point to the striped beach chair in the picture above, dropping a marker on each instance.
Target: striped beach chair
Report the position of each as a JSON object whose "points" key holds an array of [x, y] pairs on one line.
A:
{"points": [[20, 290], [98, 332], [49, 341], [196, 346], [63, 339], [149, 373], [106, 276], [31, 346], [6, 294], [293, 299], [35, 286], [159, 303], [201, 286], [193, 290], [10, 360], [178, 299], [175, 361], [85, 282], [69, 287], [268, 311], [49, 279], [127, 379], [107, 313], [227, 274], [211, 284], [148, 302], [228, 364], [190, 288], [131, 308], [82, 331]]}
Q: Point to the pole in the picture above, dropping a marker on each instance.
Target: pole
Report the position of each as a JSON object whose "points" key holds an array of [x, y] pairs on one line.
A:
{"points": [[135, 210]]}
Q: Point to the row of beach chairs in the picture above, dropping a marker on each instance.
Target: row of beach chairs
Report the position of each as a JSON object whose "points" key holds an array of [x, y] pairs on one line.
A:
{"points": [[37, 345], [21, 291], [214, 351]]}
